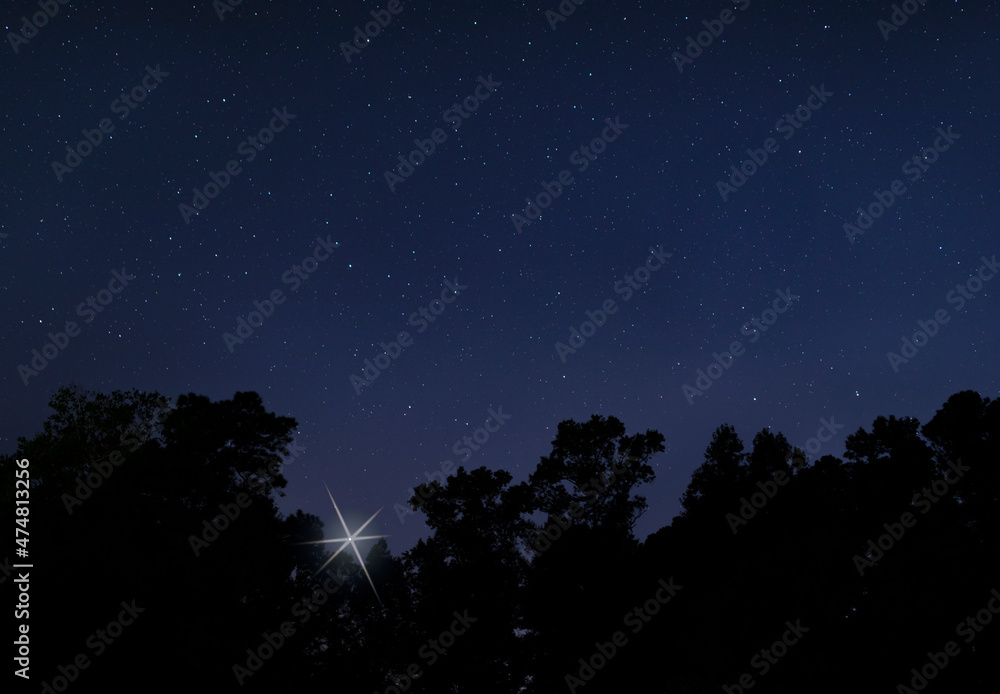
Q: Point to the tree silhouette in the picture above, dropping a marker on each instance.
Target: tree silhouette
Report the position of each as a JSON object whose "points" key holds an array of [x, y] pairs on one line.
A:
{"points": [[172, 506], [471, 563], [596, 466], [715, 483]]}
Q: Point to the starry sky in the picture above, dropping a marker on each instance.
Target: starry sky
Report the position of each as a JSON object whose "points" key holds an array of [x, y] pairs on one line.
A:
{"points": [[689, 190]]}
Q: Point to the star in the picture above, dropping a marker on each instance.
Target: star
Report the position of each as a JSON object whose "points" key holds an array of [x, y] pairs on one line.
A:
{"points": [[350, 540]]}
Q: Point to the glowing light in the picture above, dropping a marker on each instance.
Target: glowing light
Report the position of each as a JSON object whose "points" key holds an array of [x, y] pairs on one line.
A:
{"points": [[350, 540]]}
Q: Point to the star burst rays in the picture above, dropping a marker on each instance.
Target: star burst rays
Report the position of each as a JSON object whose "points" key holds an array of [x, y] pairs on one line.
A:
{"points": [[350, 540]]}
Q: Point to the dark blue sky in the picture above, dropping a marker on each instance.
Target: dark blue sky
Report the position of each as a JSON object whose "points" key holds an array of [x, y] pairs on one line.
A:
{"points": [[509, 104]]}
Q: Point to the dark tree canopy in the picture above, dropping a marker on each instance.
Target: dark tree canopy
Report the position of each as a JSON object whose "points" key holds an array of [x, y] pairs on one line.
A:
{"points": [[597, 466], [172, 506]]}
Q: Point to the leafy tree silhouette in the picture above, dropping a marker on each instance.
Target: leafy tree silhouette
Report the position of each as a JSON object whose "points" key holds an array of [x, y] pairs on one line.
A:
{"points": [[547, 567], [472, 563], [129, 539], [594, 469]]}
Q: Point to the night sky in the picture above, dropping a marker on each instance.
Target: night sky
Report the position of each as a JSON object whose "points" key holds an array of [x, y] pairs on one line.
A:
{"points": [[628, 148]]}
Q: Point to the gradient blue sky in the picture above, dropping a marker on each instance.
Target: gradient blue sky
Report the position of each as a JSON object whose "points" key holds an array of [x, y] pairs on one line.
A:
{"points": [[494, 345]]}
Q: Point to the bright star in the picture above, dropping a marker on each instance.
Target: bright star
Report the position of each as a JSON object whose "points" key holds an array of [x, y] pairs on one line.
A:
{"points": [[350, 540]]}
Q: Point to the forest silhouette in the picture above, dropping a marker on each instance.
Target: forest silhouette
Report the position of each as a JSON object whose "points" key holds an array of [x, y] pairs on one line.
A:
{"points": [[780, 574]]}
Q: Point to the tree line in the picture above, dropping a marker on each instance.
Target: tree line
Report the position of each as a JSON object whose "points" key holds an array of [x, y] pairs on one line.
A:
{"points": [[780, 572]]}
